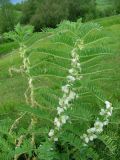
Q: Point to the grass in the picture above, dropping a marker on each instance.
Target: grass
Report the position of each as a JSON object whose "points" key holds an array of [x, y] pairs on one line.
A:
{"points": [[12, 89], [112, 29], [7, 47]]}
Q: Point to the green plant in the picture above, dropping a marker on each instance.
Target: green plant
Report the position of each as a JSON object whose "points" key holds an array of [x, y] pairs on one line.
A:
{"points": [[45, 73]]}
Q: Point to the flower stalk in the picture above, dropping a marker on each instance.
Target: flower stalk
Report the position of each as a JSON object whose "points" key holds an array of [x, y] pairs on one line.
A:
{"points": [[69, 92], [25, 68]]}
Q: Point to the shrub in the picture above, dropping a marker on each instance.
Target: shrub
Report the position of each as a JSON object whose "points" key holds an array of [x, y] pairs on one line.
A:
{"points": [[49, 13]]}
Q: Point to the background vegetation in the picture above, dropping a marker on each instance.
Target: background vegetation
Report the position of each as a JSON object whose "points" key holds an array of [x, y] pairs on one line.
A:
{"points": [[49, 13]]}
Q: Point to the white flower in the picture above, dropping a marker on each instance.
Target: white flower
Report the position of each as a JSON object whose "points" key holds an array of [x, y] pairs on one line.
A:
{"points": [[71, 78], [92, 137], [63, 101], [71, 71], [51, 133], [73, 52], [60, 110], [65, 88], [85, 137], [108, 104], [91, 134], [74, 60], [57, 122], [109, 113], [102, 112], [91, 130], [98, 126], [72, 95], [66, 101], [64, 118]]}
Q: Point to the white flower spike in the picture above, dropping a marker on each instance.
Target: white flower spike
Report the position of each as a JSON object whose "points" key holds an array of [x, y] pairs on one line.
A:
{"points": [[99, 124], [69, 94]]}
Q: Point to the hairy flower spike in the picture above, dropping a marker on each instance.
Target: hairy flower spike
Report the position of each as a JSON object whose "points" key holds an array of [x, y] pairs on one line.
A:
{"points": [[69, 94], [99, 124]]}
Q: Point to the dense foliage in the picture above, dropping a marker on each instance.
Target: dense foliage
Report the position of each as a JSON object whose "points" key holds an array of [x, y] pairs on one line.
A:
{"points": [[8, 16], [49, 13], [47, 62], [117, 6]]}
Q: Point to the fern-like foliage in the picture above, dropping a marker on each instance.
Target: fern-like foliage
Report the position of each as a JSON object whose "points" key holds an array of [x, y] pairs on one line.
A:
{"points": [[50, 59]]}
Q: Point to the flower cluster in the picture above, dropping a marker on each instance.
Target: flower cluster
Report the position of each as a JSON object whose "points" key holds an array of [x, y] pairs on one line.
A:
{"points": [[69, 94], [99, 124]]}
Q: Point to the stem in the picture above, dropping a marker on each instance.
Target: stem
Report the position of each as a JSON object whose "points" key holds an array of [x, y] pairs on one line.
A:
{"points": [[25, 69]]}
